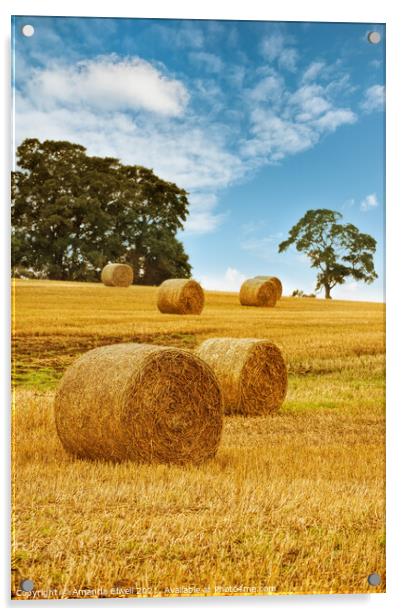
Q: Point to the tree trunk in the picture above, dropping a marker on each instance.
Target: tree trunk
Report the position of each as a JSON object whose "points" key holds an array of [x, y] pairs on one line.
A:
{"points": [[327, 291]]}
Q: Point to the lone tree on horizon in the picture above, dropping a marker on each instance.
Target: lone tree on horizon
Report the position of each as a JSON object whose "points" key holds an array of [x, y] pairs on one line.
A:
{"points": [[337, 250]]}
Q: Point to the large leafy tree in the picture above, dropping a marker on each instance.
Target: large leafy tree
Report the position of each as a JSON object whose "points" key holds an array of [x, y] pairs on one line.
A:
{"points": [[336, 250], [73, 213]]}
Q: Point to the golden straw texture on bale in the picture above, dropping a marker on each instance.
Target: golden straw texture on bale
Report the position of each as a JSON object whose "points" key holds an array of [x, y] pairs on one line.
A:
{"points": [[255, 292], [117, 275], [180, 296], [139, 402], [276, 281], [251, 372]]}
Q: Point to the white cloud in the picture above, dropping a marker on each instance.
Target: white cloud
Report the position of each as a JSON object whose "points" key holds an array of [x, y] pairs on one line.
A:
{"points": [[334, 118], [188, 34], [312, 71], [274, 47], [235, 75], [268, 89], [341, 86], [370, 202], [309, 101], [274, 138], [231, 280], [185, 150], [184, 153], [109, 84], [284, 123], [202, 218], [184, 34], [139, 112], [288, 59], [209, 61], [374, 99]]}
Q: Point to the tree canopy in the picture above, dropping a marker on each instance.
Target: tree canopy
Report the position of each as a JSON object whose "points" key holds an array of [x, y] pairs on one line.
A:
{"points": [[73, 213], [336, 250]]}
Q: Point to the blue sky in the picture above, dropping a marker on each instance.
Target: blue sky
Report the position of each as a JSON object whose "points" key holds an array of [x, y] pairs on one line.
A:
{"points": [[259, 121]]}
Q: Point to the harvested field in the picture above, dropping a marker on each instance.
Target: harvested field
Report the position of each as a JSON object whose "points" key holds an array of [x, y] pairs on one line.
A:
{"points": [[286, 505]]}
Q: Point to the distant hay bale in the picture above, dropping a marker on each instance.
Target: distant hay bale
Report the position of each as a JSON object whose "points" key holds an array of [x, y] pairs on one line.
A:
{"points": [[256, 292], [276, 281], [180, 296], [251, 372], [117, 275], [139, 402]]}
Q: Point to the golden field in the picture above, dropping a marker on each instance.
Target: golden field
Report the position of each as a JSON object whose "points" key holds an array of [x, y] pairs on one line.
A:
{"points": [[292, 503]]}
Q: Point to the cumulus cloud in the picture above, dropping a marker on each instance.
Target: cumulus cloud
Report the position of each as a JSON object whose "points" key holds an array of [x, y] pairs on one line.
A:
{"points": [[374, 99], [370, 202], [135, 111], [109, 84], [141, 113], [202, 217], [182, 153], [231, 280]]}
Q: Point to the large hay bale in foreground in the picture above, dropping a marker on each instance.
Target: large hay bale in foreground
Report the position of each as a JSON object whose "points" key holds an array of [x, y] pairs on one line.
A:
{"points": [[276, 281], [139, 402], [251, 372], [180, 296], [255, 292], [117, 275]]}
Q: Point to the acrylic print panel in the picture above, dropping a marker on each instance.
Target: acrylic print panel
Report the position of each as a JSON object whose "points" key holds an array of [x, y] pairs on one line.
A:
{"points": [[198, 316]]}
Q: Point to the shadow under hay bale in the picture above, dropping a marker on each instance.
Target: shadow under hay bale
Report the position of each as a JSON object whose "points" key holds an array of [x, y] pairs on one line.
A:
{"points": [[255, 292], [251, 372], [139, 402], [180, 296], [117, 275], [276, 281]]}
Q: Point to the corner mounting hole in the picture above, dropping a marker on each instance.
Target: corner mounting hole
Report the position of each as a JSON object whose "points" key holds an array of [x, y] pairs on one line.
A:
{"points": [[374, 579], [374, 38], [28, 30], [27, 585]]}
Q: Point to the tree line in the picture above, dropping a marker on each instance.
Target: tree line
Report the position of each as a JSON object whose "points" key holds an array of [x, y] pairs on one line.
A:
{"points": [[73, 213]]}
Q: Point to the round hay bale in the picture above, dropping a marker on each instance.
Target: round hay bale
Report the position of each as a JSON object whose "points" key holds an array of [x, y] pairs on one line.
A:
{"points": [[256, 292], [117, 275], [251, 372], [180, 296], [139, 402], [276, 281]]}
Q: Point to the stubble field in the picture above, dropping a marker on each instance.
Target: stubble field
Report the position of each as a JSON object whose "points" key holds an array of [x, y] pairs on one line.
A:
{"points": [[292, 503]]}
